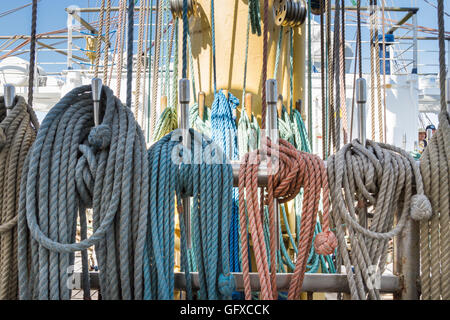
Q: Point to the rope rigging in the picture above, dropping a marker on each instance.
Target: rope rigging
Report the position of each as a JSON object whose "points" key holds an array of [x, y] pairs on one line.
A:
{"points": [[74, 167]]}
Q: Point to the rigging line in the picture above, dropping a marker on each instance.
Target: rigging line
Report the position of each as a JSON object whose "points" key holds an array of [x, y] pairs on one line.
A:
{"points": [[384, 66], [264, 66], [357, 62], [8, 12], [130, 51], [434, 6], [32, 53]]}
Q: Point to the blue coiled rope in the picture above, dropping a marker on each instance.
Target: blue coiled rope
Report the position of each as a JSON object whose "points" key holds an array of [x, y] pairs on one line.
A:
{"points": [[207, 177], [224, 133]]}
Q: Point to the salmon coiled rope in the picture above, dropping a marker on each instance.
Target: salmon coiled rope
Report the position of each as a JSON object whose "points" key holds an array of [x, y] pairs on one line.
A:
{"points": [[289, 170]]}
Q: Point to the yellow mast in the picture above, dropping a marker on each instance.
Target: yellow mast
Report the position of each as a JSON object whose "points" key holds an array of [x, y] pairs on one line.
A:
{"points": [[231, 25]]}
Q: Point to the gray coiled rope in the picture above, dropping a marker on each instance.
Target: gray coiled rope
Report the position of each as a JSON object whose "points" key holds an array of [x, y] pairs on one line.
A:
{"points": [[104, 167], [17, 133], [380, 176]]}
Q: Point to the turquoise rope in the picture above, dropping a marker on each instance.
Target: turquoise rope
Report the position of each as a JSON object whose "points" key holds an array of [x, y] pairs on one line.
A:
{"points": [[224, 133], [210, 184]]}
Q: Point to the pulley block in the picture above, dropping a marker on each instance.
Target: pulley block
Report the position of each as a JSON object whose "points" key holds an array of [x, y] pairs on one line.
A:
{"points": [[176, 6], [289, 13]]}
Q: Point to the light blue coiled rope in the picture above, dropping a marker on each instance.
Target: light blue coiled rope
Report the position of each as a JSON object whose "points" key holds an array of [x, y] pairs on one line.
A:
{"points": [[224, 133], [210, 184]]}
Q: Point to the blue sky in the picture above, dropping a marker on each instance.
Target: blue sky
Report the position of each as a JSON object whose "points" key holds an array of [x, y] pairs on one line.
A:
{"points": [[51, 16]]}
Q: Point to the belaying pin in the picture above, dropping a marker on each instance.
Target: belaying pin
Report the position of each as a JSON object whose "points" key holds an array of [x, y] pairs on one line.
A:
{"points": [[9, 92], [97, 86]]}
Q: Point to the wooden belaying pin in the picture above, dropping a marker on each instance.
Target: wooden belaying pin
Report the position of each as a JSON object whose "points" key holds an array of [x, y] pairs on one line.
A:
{"points": [[280, 105], [201, 104], [97, 86], [248, 105], [9, 92], [163, 103]]}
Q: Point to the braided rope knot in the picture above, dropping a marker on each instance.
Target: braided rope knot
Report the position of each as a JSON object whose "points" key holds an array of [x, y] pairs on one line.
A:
{"points": [[100, 136], [226, 284], [420, 207], [325, 243]]}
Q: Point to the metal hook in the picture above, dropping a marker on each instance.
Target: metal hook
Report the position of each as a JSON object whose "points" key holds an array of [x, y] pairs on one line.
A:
{"points": [[97, 86], [183, 123], [9, 92], [361, 99]]}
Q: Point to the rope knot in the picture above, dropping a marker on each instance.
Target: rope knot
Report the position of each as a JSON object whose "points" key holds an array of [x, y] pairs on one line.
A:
{"points": [[325, 243], [100, 136], [226, 284], [420, 207], [2, 138]]}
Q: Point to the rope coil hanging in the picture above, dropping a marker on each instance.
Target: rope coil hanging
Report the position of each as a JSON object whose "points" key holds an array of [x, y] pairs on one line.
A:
{"points": [[380, 176], [435, 166], [210, 218], [17, 133], [292, 171], [104, 168]]}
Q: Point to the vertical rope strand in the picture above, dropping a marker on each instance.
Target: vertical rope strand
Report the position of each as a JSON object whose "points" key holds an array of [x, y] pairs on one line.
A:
{"points": [[139, 56], [120, 40], [130, 51], [372, 69], [107, 41], [264, 66], [32, 53], [322, 72], [213, 38], [98, 49]]}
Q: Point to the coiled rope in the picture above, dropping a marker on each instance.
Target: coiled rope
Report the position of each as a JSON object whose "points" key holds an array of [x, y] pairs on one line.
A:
{"points": [[73, 166], [380, 176], [224, 134], [292, 171], [293, 130], [207, 177], [434, 165], [17, 133]]}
